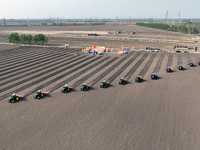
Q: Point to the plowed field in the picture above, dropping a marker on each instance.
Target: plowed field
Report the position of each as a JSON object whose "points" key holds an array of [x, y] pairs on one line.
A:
{"points": [[155, 114]]}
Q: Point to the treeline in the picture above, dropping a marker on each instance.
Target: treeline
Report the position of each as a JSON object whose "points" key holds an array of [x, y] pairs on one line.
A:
{"points": [[14, 25], [54, 24], [189, 28], [27, 39], [154, 25], [73, 24]]}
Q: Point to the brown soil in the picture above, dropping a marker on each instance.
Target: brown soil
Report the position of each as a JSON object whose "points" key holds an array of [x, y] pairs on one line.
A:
{"points": [[155, 114], [77, 36]]}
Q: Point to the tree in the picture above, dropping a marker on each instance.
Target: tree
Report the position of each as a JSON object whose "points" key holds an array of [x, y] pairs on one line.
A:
{"points": [[13, 38], [46, 39], [23, 38], [40, 39], [29, 39]]}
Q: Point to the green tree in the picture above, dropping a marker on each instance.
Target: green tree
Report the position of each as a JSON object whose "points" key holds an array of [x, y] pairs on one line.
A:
{"points": [[13, 38], [46, 39], [29, 39], [23, 38], [40, 39]]}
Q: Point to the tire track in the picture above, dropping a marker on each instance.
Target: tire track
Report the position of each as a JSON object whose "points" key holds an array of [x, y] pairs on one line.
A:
{"points": [[134, 68], [21, 56], [49, 64], [33, 53], [47, 71], [21, 49], [113, 77], [9, 63], [28, 64], [147, 65], [197, 58], [93, 72], [97, 79], [55, 79], [24, 52], [25, 62], [169, 62], [179, 60], [159, 63], [7, 51], [74, 76], [188, 58]]}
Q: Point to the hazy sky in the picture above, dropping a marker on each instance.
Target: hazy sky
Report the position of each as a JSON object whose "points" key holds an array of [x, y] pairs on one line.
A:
{"points": [[37, 9]]}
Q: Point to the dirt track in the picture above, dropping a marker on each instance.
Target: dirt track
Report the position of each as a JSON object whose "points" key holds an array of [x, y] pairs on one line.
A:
{"points": [[160, 114]]}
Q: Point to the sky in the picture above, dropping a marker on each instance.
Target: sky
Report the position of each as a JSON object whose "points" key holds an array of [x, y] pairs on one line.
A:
{"points": [[100, 9]]}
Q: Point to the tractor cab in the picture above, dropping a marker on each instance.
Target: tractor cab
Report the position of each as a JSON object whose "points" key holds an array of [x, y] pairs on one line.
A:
{"points": [[138, 79], [153, 75], [13, 96], [65, 86], [104, 83], [84, 85], [168, 69], [122, 79], [38, 92], [190, 64]]}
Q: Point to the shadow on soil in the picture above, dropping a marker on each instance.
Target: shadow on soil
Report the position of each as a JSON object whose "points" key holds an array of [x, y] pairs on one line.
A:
{"points": [[158, 78], [143, 80]]}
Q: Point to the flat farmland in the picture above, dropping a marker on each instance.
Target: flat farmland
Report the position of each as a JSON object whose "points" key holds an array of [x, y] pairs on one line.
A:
{"points": [[153, 115], [77, 36]]}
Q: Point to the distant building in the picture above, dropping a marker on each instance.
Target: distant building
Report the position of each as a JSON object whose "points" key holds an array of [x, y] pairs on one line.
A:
{"points": [[114, 32], [184, 46]]}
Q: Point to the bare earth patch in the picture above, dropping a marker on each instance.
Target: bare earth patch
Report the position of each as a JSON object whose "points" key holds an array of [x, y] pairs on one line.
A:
{"points": [[77, 36]]}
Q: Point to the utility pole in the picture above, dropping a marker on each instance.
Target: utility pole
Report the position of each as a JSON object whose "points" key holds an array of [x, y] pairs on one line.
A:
{"points": [[27, 21], [4, 22], [167, 17], [179, 16]]}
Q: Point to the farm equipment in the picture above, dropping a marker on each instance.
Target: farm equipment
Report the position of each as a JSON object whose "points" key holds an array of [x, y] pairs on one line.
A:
{"points": [[168, 69], [138, 79], [85, 87], [66, 89], [104, 84], [39, 94], [191, 64], [15, 98], [154, 76], [180, 67], [122, 81]]}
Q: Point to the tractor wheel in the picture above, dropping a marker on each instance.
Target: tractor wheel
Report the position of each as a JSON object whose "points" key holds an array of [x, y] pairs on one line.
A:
{"points": [[65, 91], [42, 94], [17, 98], [87, 87], [106, 84], [84, 89], [12, 101], [38, 97], [68, 89]]}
